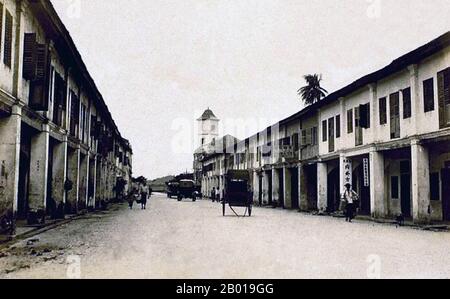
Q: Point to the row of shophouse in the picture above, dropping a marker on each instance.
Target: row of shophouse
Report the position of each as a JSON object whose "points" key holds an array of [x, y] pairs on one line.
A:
{"points": [[387, 134], [60, 150]]}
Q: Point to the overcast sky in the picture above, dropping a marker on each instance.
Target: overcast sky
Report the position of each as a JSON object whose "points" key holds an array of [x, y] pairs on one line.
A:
{"points": [[156, 61]]}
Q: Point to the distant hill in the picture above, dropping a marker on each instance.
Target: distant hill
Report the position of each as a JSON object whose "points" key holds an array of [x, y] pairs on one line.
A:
{"points": [[159, 185]]}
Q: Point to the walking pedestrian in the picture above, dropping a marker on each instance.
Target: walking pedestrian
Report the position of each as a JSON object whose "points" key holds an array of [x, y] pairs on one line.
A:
{"points": [[131, 199], [144, 196], [350, 197]]}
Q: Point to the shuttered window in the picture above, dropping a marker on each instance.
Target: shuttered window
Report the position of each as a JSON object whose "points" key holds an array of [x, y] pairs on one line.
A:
{"points": [[60, 100], [365, 116], [308, 137], [1, 23], [324, 131], [35, 69], [7, 53], [383, 111], [444, 98], [295, 141], [74, 114], [41, 62], [82, 122], [338, 126], [94, 131], [29, 56], [428, 95], [358, 128], [331, 135], [304, 138], [406, 103], [350, 121], [314, 136], [394, 104]]}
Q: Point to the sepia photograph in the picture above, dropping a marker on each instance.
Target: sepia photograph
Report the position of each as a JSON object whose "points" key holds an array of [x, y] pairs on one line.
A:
{"points": [[224, 145]]}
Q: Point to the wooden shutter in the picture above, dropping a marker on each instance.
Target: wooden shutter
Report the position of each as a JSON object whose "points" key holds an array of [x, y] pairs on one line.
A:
{"points": [[406, 103], [38, 97], [1, 22], [358, 128], [394, 104], [295, 140], [338, 126], [444, 98], [7, 58], [350, 121], [41, 62], [441, 96], [383, 111], [331, 134], [314, 137], [364, 111], [60, 100], [324, 131], [29, 56], [74, 114], [35, 68], [428, 95], [304, 142], [93, 126]]}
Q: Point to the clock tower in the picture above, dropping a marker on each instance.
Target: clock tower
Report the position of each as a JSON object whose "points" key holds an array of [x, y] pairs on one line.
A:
{"points": [[208, 128]]}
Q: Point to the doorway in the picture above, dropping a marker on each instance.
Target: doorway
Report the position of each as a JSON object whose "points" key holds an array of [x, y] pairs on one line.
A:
{"points": [[294, 188], [446, 194], [270, 188], [24, 172], [50, 203], [280, 188], [333, 191], [405, 188], [260, 191], [360, 186]]}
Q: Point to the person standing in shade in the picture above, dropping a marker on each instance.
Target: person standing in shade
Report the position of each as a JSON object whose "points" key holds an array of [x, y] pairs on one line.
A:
{"points": [[213, 194], [218, 194], [350, 197]]}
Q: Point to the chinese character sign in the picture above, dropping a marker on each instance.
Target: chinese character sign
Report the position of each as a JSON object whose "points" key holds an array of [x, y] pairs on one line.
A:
{"points": [[366, 172], [348, 171]]}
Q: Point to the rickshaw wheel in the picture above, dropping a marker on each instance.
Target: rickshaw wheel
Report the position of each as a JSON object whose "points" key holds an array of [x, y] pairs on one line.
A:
{"points": [[180, 198]]}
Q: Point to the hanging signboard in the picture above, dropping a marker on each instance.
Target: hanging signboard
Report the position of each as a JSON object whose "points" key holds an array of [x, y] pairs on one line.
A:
{"points": [[348, 170], [366, 172]]}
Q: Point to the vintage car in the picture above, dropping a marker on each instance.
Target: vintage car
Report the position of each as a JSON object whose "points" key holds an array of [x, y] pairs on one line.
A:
{"points": [[237, 191], [172, 189], [187, 189]]}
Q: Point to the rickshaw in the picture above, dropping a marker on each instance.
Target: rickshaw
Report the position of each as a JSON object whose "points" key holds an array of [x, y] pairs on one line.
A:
{"points": [[237, 191], [186, 189]]}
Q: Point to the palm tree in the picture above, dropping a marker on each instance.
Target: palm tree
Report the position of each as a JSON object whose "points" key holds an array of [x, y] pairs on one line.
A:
{"points": [[312, 92]]}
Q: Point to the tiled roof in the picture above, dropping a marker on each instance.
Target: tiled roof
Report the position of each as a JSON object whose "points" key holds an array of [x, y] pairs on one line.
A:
{"points": [[208, 114]]}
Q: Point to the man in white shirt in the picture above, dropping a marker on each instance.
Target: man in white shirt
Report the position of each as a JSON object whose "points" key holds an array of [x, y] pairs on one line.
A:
{"points": [[349, 197]]}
